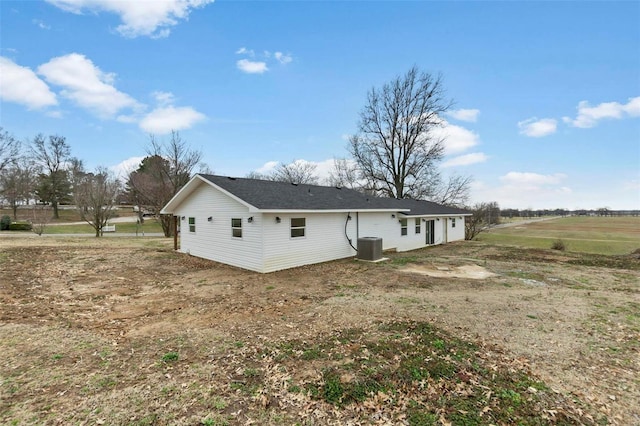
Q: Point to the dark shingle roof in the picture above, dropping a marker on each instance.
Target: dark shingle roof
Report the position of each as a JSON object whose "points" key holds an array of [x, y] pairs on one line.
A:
{"points": [[270, 195]]}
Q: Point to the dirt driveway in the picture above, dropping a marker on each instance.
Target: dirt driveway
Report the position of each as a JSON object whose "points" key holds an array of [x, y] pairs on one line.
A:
{"points": [[574, 319]]}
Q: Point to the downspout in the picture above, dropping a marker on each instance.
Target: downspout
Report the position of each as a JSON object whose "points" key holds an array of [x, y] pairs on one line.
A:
{"points": [[175, 233]]}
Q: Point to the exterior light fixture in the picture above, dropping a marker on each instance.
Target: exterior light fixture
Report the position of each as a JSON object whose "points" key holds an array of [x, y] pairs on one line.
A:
{"points": [[250, 219], [393, 216], [210, 218], [183, 218], [278, 220]]}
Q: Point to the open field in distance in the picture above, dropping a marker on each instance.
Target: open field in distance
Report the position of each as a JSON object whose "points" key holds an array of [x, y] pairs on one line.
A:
{"points": [[586, 234]]}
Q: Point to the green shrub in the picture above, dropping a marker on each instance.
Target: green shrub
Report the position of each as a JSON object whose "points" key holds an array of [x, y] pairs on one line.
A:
{"points": [[20, 226], [5, 221], [559, 245]]}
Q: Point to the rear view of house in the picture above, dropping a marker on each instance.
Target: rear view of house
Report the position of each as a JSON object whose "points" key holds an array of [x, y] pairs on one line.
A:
{"points": [[266, 226]]}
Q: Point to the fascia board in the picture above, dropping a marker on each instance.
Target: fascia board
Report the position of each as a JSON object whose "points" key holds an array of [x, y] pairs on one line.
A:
{"points": [[283, 211]]}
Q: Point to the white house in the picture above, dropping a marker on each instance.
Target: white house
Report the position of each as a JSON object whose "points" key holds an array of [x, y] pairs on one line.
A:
{"points": [[266, 226]]}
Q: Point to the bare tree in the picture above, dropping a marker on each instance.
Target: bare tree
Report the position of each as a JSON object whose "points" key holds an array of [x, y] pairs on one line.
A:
{"points": [[483, 216], [95, 197], [344, 173], [298, 171], [166, 169], [455, 192], [9, 149], [395, 148], [51, 156], [256, 175], [41, 216], [17, 183]]}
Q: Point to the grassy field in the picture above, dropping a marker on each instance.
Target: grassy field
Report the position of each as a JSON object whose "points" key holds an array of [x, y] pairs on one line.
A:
{"points": [[150, 226], [598, 235], [67, 223]]}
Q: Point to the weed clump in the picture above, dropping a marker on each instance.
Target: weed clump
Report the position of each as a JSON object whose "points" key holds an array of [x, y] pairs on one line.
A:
{"points": [[170, 357], [559, 245]]}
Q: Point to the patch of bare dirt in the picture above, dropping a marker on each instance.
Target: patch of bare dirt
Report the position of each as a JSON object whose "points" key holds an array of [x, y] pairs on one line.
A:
{"points": [[473, 272], [84, 324]]}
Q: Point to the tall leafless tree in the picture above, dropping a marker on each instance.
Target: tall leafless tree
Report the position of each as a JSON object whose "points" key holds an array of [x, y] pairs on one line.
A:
{"points": [[51, 156], [395, 149], [95, 197], [9, 149], [166, 169], [299, 171]]}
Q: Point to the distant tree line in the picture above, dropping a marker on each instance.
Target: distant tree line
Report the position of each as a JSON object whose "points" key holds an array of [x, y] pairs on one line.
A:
{"points": [[533, 213], [42, 172]]}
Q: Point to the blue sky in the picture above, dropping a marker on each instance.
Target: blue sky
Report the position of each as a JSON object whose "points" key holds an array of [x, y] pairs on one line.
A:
{"points": [[547, 94]]}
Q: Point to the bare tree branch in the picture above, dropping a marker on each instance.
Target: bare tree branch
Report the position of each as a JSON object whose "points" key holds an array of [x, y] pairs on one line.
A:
{"points": [[301, 172], [9, 149]]}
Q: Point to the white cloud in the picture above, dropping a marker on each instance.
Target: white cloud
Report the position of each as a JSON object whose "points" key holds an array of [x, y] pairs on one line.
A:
{"points": [[86, 85], [252, 67], [40, 23], [457, 138], [282, 58], [260, 66], [122, 169], [466, 160], [527, 190], [139, 18], [527, 179], [21, 85], [537, 128], [470, 115], [589, 116], [165, 119], [245, 51], [163, 98], [268, 167]]}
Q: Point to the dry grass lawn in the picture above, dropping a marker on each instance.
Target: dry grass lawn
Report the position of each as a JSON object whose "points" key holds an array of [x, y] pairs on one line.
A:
{"points": [[125, 331]]}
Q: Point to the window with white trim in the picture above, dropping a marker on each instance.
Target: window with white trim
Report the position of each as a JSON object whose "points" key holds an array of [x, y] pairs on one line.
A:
{"points": [[236, 228], [192, 224], [418, 222], [403, 226], [453, 222], [298, 226]]}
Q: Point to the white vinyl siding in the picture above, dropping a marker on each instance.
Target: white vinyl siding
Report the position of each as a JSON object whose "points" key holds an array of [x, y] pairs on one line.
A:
{"points": [[324, 240], [213, 240]]}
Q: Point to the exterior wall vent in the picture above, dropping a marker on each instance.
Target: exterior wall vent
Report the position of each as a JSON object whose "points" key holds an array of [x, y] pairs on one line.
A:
{"points": [[370, 248]]}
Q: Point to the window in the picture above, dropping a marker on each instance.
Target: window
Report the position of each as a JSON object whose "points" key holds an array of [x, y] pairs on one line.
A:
{"points": [[403, 226], [453, 222], [417, 225], [192, 224], [236, 228], [297, 227]]}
